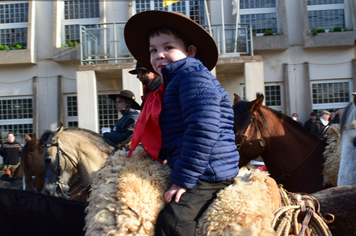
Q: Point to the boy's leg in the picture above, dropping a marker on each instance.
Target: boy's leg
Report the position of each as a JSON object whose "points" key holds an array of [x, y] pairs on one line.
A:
{"points": [[180, 218]]}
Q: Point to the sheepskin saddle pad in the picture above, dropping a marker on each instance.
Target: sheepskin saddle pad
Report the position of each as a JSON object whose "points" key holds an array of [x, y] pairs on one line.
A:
{"points": [[128, 193], [332, 155]]}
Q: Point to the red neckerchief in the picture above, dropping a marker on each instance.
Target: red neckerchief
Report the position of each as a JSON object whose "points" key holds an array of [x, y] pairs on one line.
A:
{"points": [[147, 129]]}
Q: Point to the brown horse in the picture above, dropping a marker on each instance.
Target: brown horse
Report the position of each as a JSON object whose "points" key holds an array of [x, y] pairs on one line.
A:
{"points": [[292, 155], [31, 166]]}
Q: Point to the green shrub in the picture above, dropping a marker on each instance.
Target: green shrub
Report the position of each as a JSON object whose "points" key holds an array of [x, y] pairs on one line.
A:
{"points": [[268, 33], [320, 30], [4, 48], [17, 46], [337, 29]]}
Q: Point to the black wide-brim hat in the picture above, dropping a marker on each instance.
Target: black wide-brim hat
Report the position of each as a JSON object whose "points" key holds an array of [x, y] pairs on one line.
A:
{"points": [[140, 25], [127, 94], [138, 67]]}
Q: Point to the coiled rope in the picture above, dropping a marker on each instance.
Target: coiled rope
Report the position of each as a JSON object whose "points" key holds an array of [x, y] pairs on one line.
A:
{"points": [[286, 218]]}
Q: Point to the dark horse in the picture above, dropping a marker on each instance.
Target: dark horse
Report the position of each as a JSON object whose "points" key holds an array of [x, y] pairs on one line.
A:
{"points": [[27, 213], [292, 155]]}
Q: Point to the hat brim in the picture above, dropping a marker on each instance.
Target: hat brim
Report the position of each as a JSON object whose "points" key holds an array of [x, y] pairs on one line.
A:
{"points": [[134, 105], [133, 72], [140, 25]]}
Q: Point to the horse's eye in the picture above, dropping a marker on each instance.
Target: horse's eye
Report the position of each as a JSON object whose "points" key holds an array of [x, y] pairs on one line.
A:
{"points": [[47, 160]]}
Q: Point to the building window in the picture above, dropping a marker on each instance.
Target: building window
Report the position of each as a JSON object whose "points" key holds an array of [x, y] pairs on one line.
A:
{"points": [[331, 95], [16, 117], [262, 15], [193, 9], [71, 111], [108, 114], [273, 96], [323, 14], [77, 12], [14, 23]]}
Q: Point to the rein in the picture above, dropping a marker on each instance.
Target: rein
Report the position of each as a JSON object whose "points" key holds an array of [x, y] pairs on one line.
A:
{"points": [[59, 183]]}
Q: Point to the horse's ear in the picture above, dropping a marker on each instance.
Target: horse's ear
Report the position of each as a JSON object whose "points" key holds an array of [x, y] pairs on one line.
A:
{"points": [[27, 137], [34, 136], [237, 98], [57, 132], [256, 104]]}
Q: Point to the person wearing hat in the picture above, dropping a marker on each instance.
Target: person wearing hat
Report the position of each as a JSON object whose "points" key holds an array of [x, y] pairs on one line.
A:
{"points": [[124, 127], [320, 125], [308, 124], [149, 80], [196, 117]]}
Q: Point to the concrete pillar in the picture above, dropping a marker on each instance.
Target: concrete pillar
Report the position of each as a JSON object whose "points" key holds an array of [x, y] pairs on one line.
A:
{"points": [[35, 107], [254, 80], [130, 82], [87, 96], [308, 105], [287, 105], [354, 75]]}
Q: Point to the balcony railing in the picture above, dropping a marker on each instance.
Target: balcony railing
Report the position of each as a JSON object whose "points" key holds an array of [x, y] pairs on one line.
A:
{"points": [[106, 44]]}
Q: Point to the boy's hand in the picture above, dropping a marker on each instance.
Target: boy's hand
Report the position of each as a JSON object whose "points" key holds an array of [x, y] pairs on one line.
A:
{"points": [[174, 190]]}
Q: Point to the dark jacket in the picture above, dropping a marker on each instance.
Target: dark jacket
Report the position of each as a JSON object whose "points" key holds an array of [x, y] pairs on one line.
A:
{"points": [[308, 124], [196, 123], [124, 127], [11, 153], [318, 129]]}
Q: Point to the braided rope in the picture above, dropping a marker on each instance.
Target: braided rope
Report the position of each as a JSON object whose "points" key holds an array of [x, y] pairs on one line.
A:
{"points": [[285, 220]]}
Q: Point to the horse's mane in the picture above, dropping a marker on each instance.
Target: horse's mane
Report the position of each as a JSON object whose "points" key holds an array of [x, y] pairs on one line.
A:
{"points": [[101, 139], [348, 117], [242, 115]]}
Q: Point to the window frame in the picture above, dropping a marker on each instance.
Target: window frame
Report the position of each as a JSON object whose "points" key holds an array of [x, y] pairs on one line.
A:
{"points": [[330, 7], [79, 21], [22, 121], [278, 107], [327, 106], [267, 10], [18, 25]]}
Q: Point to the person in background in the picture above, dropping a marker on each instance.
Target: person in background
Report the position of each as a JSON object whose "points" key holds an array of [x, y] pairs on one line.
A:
{"points": [[320, 125], [334, 117], [308, 124], [295, 117], [124, 127], [149, 80], [10, 151]]}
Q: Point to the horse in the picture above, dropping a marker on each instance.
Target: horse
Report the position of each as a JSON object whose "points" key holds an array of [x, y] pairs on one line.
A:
{"points": [[347, 173], [31, 165], [29, 213], [71, 150], [293, 156]]}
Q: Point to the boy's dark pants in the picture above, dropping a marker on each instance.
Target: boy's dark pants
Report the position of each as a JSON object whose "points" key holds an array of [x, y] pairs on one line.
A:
{"points": [[180, 218]]}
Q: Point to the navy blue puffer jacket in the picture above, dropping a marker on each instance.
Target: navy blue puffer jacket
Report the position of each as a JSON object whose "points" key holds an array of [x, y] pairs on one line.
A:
{"points": [[196, 123]]}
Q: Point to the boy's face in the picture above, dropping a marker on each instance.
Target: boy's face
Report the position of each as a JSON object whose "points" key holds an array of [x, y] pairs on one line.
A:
{"points": [[166, 48]]}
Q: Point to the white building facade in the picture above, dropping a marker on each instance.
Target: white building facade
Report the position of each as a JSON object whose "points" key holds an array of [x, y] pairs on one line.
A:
{"points": [[73, 56]]}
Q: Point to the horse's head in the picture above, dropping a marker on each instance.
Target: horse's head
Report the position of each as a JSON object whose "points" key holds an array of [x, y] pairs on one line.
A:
{"points": [[247, 129], [32, 165], [57, 172]]}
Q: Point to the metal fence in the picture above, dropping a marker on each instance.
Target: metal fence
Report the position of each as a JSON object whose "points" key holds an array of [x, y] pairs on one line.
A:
{"points": [[105, 43]]}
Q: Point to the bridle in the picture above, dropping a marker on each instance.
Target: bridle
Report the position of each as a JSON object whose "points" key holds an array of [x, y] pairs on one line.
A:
{"points": [[61, 152], [244, 139]]}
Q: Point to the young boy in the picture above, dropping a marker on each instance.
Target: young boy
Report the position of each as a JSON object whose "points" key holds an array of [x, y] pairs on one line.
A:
{"points": [[196, 120], [124, 127]]}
